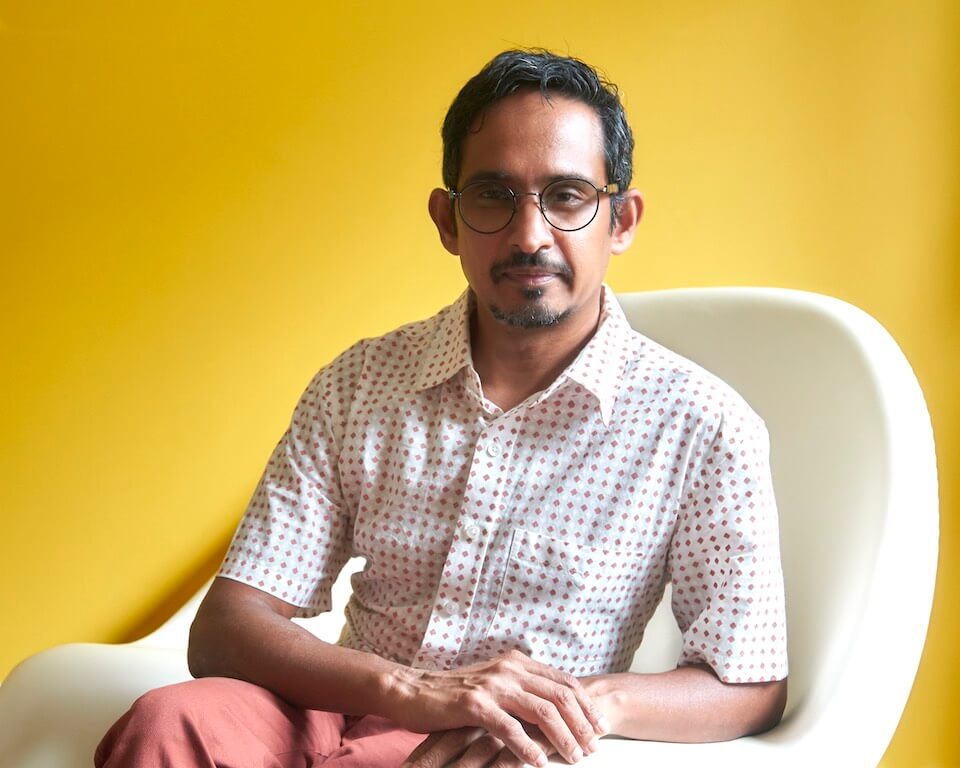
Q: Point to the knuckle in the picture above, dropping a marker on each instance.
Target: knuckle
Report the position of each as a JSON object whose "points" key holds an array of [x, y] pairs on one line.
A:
{"points": [[474, 702], [502, 723], [429, 760], [544, 711], [454, 739], [487, 746], [565, 698]]}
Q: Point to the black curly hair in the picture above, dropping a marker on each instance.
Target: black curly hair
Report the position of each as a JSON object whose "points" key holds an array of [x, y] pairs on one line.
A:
{"points": [[514, 70]]}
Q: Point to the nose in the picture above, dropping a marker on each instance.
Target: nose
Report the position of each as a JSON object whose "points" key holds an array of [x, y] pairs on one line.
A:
{"points": [[529, 231]]}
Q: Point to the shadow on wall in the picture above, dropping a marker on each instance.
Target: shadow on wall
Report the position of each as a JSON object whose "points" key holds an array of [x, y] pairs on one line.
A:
{"points": [[155, 615]]}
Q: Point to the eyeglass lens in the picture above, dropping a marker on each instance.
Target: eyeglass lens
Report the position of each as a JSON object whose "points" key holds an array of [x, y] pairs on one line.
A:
{"points": [[567, 204]]}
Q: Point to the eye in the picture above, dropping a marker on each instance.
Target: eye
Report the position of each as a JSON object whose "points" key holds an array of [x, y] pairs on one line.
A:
{"points": [[488, 194], [568, 193]]}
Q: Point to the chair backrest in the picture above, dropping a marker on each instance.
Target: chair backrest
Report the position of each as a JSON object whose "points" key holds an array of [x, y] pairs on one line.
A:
{"points": [[855, 477]]}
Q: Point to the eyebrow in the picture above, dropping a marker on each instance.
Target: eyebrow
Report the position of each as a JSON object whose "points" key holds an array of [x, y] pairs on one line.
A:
{"points": [[506, 177]]}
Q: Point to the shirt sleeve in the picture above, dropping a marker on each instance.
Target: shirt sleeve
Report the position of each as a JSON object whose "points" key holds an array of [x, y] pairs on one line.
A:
{"points": [[295, 535], [724, 559]]}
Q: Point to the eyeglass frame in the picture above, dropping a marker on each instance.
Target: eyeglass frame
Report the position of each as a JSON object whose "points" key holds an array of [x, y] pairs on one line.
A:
{"points": [[612, 188]]}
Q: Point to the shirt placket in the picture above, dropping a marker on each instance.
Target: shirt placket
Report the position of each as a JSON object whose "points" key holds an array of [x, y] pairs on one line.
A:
{"points": [[447, 629]]}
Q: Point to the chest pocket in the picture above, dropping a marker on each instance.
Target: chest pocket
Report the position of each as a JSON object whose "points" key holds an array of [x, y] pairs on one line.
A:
{"points": [[579, 607]]}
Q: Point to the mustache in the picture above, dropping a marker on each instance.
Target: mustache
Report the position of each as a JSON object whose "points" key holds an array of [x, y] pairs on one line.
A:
{"points": [[538, 260]]}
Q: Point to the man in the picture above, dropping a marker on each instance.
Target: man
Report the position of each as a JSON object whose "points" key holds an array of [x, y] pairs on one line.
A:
{"points": [[522, 473]]}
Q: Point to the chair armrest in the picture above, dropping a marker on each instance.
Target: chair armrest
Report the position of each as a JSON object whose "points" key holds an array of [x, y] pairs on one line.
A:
{"points": [[56, 705]]}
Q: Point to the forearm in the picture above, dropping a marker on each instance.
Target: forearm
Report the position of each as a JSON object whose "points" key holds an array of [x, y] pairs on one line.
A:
{"points": [[251, 642], [244, 633], [688, 704]]}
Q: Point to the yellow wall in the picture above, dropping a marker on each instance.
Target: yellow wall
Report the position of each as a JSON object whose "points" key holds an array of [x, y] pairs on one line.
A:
{"points": [[200, 203]]}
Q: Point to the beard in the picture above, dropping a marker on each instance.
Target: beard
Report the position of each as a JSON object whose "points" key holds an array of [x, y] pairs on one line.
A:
{"points": [[533, 312]]}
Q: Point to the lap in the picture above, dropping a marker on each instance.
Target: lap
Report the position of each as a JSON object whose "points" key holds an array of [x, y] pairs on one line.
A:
{"points": [[245, 725]]}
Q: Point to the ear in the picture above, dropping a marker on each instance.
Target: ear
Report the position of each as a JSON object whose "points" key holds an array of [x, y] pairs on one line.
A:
{"points": [[631, 209], [441, 211]]}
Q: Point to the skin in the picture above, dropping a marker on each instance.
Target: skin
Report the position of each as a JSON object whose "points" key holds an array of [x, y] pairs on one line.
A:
{"points": [[527, 142], [509, 710]]}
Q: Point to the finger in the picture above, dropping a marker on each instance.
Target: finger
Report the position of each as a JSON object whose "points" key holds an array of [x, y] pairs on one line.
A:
{"points": [[543, 702], [545, 715], [481, 752], [591, 711], [442, 747], [424, 747], [506, 758], [508, 729]]}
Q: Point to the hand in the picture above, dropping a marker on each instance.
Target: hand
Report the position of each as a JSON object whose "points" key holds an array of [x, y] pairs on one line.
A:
{"points": [[468, 748], [496, 696]]}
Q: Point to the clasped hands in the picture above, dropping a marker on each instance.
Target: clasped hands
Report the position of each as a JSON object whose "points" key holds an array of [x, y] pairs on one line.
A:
{"points": [[505, 712]]}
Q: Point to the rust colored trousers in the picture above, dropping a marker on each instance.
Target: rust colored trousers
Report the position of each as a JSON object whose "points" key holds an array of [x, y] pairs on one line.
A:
{"points": [[217, 722]]}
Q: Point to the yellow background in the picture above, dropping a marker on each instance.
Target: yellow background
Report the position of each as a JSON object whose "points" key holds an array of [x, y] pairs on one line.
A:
{"points": [[201, 203]]}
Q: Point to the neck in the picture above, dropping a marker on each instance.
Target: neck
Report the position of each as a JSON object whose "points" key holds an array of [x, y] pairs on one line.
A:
{"points": [[514, 363]]}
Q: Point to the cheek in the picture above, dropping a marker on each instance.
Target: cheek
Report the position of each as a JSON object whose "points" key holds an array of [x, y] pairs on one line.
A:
{"points": [[477, 257], [474, 269], [584, 252]]}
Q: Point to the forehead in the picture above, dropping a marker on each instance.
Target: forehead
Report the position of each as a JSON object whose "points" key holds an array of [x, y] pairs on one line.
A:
{"points": [[532, 138]]}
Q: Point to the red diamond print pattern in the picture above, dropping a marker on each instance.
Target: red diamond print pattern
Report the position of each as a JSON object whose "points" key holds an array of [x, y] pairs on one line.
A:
{"points": [[551, 528]]}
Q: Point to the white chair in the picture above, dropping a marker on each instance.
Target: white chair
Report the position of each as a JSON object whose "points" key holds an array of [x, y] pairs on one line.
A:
{"points": [[855, 476]]}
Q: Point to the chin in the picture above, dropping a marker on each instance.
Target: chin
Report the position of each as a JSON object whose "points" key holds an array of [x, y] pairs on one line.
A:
{"points": [[533, 314]]}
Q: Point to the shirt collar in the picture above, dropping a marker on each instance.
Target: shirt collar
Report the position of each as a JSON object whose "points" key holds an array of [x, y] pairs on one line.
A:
{"points": [[600, 365], [598, 368], [448, 351]]}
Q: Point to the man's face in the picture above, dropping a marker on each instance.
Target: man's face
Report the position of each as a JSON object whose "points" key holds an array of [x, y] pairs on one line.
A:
{"points": [[530, 274]]}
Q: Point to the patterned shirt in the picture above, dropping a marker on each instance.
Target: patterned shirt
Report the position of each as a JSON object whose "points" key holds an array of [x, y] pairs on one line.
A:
{"points": [[551, 528]]}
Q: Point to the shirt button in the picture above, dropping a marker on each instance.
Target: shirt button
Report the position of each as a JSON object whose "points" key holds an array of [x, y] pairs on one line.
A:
{"points": [[472, 531], [449, 608], [494, 448]]}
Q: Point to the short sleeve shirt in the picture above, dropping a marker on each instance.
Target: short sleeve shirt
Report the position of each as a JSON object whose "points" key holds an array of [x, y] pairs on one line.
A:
{"points": [[551, 528]]}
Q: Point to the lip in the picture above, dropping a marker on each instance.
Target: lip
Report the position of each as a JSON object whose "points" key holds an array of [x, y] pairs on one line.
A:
{"points": [[532, 277]]}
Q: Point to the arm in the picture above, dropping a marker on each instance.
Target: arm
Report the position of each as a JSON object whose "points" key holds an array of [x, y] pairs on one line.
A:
{"points": [[244, 633], [289, 548], [687, 704]]}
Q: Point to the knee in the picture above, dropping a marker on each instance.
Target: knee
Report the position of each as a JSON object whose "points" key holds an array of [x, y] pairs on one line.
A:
{"points": [[174, 702], [175, 707], [186, 701], [160, 718]]}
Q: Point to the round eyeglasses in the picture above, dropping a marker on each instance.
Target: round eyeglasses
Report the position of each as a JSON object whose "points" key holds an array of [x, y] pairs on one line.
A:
{"points": [[566, 204]]}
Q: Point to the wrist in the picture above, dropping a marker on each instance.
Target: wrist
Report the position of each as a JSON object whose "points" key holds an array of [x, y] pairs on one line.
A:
{"points": [[608, 697], [393, 688]]}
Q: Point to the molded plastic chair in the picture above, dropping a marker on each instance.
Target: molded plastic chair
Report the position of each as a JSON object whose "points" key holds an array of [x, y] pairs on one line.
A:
{"points": [[855, 476]]}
